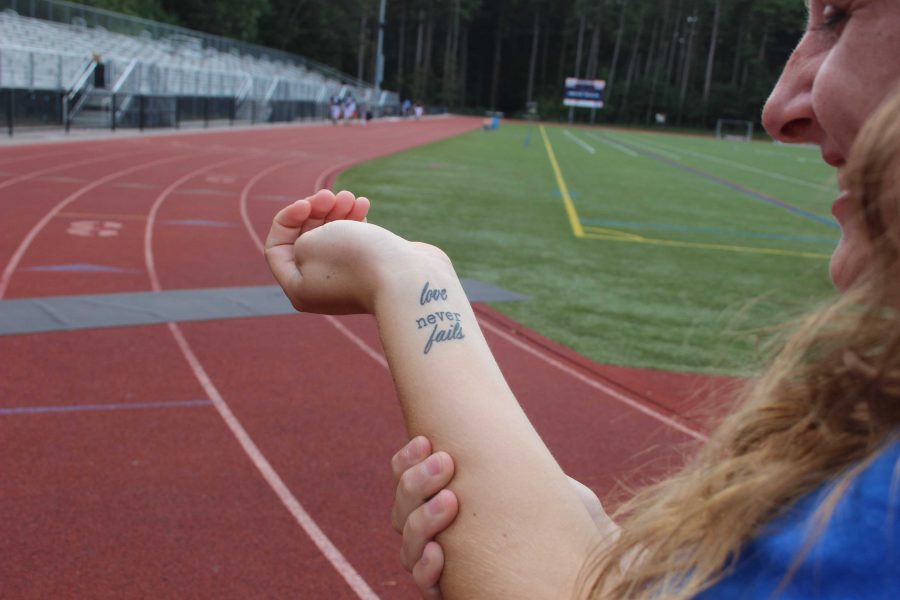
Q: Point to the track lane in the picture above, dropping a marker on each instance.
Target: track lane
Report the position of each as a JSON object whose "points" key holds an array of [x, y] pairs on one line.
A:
{"points": [[20, 251], [323, 413], [321, 539], [308, 584], [259, 461]]}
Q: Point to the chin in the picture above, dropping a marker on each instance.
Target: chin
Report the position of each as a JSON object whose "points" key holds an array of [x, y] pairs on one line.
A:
{"points": [[846, 265]]}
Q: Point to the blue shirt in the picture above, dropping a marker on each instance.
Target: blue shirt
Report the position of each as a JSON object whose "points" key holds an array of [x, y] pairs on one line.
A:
{"points": [[856, 556]]}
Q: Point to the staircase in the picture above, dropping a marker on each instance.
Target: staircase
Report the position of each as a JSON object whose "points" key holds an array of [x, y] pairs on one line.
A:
{"points": [[95, 112]]}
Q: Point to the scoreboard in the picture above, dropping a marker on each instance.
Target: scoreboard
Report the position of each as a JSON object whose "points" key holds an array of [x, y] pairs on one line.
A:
{"points": [[584, 93]]}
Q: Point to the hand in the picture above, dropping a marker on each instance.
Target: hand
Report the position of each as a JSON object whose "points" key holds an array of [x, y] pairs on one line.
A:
{"points": [[326, 259], [423, 508], [420, 475]]}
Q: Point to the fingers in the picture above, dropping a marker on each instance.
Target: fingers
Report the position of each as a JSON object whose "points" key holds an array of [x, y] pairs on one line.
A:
{"points": [[414, 452], [425, 523], [343, 204], [286, 228], [418, 483], [287, 223], [360, 210], [427, 572], [301, 217]]}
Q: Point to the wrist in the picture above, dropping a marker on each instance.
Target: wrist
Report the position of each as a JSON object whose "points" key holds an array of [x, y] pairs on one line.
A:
{"points": [[405, 281]]}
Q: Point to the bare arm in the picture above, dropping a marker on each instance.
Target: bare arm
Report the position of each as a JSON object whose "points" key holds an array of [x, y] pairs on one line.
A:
{"points": [[522, 531]]}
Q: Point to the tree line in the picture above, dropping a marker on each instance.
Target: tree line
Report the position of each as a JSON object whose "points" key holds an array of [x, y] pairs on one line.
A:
{"points": [[694, 60]]}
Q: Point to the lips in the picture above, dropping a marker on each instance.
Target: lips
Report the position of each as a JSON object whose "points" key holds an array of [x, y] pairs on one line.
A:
{"points": [[841, 208]]}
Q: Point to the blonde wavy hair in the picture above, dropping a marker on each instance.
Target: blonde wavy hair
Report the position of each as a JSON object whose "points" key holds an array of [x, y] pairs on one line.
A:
{"points": [[826, 406]]}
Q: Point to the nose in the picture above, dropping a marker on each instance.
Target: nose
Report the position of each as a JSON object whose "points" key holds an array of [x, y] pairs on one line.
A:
{"points": [[789, 115]]}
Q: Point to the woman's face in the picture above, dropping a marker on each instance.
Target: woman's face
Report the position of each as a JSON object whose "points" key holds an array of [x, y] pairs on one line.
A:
{"points": [[847, 63]]}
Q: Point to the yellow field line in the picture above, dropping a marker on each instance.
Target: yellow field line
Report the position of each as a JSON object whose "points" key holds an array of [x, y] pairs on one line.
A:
{"points": [[574, 220], [702, 246], [615, 235]]}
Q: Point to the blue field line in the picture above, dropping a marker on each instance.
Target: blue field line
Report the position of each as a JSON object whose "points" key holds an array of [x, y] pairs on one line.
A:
{"points": [[527, 141], [816, 239], [800, 212], [79, 268], [35, 410]]}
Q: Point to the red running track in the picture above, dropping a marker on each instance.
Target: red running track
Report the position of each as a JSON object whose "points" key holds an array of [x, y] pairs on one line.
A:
{"points": [[243, 458]]}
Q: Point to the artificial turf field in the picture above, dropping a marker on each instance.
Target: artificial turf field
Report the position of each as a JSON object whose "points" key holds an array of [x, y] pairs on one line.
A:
{"points": [[637, 249]]}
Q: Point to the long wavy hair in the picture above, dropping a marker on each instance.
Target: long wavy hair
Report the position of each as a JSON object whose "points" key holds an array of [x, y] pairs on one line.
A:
{"points": [[828, 403]]}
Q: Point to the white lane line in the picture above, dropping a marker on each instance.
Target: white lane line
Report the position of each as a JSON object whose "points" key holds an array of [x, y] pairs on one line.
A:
{"points": [[358, 341], [362, 345], [743, 167], [315, 533], [64, 166], [29, 238], [611, 392], [245, 216], [303, 518], [590, 149], [615, 145]]}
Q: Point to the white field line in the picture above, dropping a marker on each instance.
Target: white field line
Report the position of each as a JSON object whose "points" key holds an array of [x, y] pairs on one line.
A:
{"points": [[748, 168], [612, 393], [306, 522], [614, 145], [650, 149], [590, 149], [378, 356]]}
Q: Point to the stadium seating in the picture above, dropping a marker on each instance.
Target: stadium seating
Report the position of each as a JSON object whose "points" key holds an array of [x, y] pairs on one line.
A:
{"points": [[38, 54]]}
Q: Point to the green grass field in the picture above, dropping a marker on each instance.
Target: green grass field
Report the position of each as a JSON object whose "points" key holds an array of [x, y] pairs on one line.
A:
{"points": [[682, 265]]}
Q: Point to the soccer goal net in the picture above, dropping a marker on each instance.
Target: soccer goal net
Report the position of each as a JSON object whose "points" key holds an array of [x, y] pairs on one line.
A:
{"points": [[731, 129]]}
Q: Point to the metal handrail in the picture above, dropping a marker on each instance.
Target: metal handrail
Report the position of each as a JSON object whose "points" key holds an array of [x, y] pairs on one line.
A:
{"points": [[272, 89], [245, 89], [81, 82], [124, 76]]}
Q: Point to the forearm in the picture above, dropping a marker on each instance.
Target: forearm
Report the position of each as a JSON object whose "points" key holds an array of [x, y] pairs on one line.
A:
{"points": [[521, 530]]}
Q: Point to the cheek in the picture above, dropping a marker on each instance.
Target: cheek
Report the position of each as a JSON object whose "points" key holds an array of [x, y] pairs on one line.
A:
{"points": [[860, 71], [840, 101]]}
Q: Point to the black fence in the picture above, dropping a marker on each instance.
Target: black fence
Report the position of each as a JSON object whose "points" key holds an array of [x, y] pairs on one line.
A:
{"points": [[32, 109]]}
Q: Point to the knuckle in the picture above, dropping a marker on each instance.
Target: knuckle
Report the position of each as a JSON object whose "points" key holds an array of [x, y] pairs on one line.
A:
{"points": [[409, 486], [395, 466], [414, 531]]}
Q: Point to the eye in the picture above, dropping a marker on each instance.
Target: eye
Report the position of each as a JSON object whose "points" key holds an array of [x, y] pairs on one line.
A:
{"points": [[833, 16]]}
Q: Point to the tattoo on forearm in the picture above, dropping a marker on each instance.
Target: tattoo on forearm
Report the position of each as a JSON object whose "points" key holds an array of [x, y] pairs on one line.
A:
{"points": [[442, 326]]}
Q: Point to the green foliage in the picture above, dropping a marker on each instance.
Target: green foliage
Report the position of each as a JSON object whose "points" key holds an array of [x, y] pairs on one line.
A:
{"points": [[655, 46], [147, 9], [238, 19]]}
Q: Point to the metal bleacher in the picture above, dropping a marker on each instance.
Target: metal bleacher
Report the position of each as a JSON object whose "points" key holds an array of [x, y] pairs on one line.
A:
{"points": [[102, 65]]}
